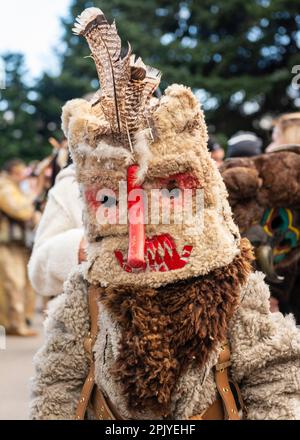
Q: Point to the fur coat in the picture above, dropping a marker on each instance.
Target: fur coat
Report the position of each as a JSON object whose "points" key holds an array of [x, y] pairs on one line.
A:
{"points": [[265, 354]]}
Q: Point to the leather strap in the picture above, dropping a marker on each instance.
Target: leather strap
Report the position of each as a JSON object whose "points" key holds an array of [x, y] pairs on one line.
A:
{"points": [[239, 398], [214, 412], [85, 395], [223, 385], [89, 385], [103, 408]]}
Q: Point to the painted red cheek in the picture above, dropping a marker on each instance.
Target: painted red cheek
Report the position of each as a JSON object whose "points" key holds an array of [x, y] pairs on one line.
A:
{"points": [[91, 199], [183, 180], [110, 213], [188, 181]]}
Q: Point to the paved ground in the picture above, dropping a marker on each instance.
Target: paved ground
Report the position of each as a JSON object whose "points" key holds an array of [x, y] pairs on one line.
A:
{"points": [[15, 370]]}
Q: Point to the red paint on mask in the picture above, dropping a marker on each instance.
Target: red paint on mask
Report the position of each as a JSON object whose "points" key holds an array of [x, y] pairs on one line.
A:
{"points": [[160, 254], [183, 180], [91, 198], [136, 246]]}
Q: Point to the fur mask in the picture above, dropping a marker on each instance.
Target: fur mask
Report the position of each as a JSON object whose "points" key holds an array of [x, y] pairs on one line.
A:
{"points": [[124, 135]]}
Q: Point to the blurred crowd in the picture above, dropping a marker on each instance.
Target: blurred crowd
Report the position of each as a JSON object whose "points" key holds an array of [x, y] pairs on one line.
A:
{"points": [[285, 133], [50, 222], [23, 196], [273, 226]]}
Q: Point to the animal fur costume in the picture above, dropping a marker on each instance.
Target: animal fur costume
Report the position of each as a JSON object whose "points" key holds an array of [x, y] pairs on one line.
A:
{"points": [[162, 325], [264, 193]]}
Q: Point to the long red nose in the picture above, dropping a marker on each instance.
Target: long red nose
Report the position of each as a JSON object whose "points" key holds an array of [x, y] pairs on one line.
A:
{"points": [[136, 218]]}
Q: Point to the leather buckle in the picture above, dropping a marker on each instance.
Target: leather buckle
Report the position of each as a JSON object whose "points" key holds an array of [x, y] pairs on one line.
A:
{"points": [[88, 346], [221, 367]]}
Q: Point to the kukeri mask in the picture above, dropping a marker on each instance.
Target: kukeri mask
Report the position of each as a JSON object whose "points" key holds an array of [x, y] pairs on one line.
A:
{"points": [[156, 208]]}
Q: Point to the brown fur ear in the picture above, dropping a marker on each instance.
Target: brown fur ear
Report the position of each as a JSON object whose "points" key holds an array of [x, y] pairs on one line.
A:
{"points": [[246, 212], [281, 179], [242, 183]]}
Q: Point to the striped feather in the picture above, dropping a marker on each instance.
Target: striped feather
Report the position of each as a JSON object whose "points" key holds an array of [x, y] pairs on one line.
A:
{"points": [[127, 84]]}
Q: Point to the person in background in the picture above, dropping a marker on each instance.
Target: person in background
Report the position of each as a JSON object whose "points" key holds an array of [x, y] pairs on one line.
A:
{"points": [[17, 215], [216, 151], [43, 174], [244, 144], [286, 132], [59, 244], [265, 198]]}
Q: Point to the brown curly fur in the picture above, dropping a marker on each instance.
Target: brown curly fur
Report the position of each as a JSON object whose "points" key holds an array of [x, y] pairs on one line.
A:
{"points": [[272, 180], [268, 181], [166, 330]]}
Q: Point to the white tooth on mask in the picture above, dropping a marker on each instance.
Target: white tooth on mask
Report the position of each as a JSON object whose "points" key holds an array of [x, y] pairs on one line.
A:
{"points": [[156, 267], [163, 265], [152, 254], [160, 250], [168, 249]]}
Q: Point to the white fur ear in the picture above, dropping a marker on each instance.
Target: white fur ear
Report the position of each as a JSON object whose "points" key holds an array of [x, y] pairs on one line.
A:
{"points": [[75, 107], [142, 150]]}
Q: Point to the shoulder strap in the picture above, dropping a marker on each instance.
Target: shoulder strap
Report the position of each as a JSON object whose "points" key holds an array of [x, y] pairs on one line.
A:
{"points": [[88, 387], [223, 385], [224, 407]]}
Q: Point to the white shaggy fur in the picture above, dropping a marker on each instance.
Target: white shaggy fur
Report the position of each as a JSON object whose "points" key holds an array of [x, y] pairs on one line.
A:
{"points": [[58, 236], [265, 352], [106, 152], [141, 148]]}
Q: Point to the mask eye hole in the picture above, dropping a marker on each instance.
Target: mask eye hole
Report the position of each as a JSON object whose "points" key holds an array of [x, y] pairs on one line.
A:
{"points": [[172, 189], [108, 201], [175, 193], [172, 184]]}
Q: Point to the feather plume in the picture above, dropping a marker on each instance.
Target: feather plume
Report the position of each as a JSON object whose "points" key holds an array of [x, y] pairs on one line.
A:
{"points": [[113, 70], [143, 82], [127, 84]]}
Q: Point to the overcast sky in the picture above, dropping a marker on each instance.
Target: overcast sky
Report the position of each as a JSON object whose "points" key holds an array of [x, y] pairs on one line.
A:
{"points": [[32, 27]]}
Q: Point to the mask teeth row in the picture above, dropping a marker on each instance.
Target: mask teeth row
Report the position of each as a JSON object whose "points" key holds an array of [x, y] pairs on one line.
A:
{"points": [[158, 252], [154, 267], [159, 247]]}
